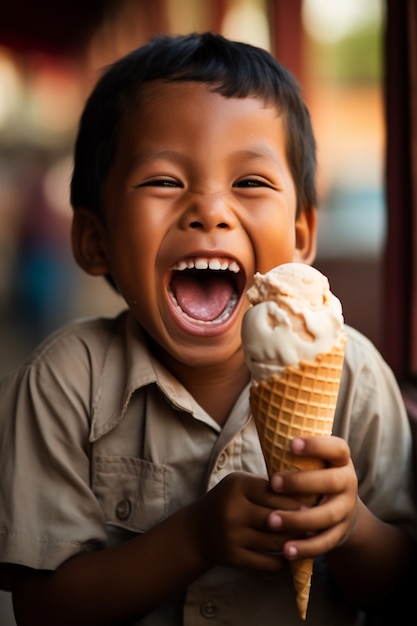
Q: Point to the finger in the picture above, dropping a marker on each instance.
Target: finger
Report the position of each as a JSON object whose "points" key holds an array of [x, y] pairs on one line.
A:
{"points": [[268, 500], [315, 545], [327, 481], [332, 512], [271, 543], [259, 550], [332, 450], [265, 520], [263, 561]]}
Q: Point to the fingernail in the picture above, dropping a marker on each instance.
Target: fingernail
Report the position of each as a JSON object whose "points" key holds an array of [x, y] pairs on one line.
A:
{"points": [[277, 482], [298, 445], [292, 552], [275, 520]]}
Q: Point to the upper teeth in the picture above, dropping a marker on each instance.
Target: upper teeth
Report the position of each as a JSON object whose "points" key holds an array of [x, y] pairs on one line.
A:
{"points": [[204, 264]]}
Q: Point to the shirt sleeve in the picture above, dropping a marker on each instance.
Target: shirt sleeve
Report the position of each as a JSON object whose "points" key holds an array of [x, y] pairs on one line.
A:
{"points": [[371, 416], [48, 511]]}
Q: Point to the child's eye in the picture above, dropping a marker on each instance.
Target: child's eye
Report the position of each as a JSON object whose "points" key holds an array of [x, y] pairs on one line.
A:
{"points": [[252, 182], [159, 182]]}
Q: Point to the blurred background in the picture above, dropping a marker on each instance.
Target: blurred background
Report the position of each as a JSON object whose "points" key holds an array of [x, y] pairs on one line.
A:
{"points": [[50, 56]]}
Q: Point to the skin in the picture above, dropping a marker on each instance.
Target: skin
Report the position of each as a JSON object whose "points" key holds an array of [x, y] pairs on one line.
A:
{"points": [[199, 175]]}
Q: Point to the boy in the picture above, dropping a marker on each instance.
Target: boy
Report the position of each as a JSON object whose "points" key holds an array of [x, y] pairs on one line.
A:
{"points": [[133, 485]]}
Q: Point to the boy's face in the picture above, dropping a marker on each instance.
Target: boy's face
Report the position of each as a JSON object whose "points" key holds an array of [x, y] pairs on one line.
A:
{"points": [[198, 198]]}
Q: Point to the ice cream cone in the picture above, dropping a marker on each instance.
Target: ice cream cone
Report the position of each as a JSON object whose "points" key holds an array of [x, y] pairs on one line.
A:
{"points": [[300, 402]]}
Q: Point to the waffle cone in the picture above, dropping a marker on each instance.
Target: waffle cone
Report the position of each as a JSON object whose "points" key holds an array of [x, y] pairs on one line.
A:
{"points": [[298, 403]]}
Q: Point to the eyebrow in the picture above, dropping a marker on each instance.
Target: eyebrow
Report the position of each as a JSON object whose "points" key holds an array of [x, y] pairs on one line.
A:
{"points": [[146, 155], [258, 153]]}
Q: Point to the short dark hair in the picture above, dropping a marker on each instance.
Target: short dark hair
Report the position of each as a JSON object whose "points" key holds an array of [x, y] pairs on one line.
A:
{"points": [[234, 69]]}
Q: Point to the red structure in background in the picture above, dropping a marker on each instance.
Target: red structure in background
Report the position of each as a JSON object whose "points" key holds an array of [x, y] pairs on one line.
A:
{"points": [[287, 35], [64, 28]]}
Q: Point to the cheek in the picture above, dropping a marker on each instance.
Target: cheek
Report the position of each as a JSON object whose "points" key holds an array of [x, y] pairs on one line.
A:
{"points": [[276, 254], [274, 240], [131, 256], [134, 230]]}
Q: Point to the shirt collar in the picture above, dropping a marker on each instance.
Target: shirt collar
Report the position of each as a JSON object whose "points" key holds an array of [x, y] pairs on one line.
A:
{"points": [[128, 366]]}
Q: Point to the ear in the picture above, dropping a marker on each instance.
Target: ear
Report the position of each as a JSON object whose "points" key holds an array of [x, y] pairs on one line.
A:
{"points": [[88, 242], [306, 236]]}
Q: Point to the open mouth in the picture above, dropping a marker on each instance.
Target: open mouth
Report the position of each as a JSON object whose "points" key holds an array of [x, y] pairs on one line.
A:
{"points": [[206, 290]]}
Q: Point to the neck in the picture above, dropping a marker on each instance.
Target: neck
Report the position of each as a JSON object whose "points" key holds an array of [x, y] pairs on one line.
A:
{"points": [[215, 387], [217, 391]]}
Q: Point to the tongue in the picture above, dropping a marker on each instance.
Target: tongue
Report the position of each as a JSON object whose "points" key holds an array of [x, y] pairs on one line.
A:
{"points": [[203, 300]]}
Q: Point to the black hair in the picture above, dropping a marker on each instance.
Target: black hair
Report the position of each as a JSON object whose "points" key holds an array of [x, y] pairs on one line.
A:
{"points": [[233, 69]]}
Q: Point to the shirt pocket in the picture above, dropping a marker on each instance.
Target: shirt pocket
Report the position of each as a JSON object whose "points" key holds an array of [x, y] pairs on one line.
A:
{"points": [[130, 491]]}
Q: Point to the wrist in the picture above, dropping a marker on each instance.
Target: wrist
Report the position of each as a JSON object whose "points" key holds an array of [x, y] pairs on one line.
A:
{"points": [[196, 539]]}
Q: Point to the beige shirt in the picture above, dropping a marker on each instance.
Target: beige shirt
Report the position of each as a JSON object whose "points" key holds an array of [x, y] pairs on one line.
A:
{"points": [[98, 442]]}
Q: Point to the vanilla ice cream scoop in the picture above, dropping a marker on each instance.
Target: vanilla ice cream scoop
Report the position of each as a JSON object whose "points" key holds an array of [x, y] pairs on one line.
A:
{"points": [[294, 318]]}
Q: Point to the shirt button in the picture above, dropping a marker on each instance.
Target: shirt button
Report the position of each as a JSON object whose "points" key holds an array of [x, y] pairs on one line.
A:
{"points": [[209, 609], [123, 509], [222, 460]]}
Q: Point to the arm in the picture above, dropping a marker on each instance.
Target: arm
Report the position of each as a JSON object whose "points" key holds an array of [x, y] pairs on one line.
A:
{"points": [[374, 562], [227, 526], [369, 558], [113, 585]]}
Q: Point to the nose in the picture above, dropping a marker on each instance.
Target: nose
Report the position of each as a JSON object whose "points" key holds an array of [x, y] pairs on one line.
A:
{"points": [[207, 212]]}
